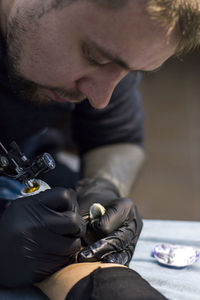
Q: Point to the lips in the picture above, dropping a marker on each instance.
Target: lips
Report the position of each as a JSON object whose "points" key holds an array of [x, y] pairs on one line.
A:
{"points": [[57, 98]]}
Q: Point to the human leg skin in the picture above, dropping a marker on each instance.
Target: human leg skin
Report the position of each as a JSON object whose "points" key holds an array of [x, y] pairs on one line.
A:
{"points": [[86, 281]]}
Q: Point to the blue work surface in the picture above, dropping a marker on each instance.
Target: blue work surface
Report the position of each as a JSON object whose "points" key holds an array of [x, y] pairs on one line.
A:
{"points": [[175, 284]]}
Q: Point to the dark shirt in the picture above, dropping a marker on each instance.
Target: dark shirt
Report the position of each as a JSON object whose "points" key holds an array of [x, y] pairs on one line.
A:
{"points": [[120, 122]]}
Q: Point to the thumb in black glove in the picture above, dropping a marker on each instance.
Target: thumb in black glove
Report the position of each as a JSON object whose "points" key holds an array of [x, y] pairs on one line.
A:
{"points": [[39, 235], [116, 233]]}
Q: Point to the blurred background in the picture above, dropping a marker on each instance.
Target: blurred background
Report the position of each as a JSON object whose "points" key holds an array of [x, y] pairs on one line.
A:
{"points": [[169, 186]]}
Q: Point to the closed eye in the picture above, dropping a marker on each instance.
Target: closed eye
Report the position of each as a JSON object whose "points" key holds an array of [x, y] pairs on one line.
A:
{"points": [[87, 53]]}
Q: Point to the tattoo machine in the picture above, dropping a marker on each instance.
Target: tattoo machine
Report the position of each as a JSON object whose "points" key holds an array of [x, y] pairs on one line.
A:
{"points": [[15, 165]]}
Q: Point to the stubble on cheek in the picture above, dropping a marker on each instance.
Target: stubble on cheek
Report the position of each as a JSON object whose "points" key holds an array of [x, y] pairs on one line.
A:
{"points": [[21, 57], [23, 88], [13, 43]]}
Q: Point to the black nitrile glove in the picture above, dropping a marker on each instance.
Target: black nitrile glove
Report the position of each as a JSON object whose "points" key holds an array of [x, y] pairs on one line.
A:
{"points": [[116, 233], [39, 235]]}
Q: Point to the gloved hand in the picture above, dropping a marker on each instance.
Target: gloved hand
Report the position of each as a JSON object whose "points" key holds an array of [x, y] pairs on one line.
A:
{"points": [[116, 233], [39, 235]]}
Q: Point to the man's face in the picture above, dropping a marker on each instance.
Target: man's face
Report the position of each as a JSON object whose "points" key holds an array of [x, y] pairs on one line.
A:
{"points": [[80, 50]]}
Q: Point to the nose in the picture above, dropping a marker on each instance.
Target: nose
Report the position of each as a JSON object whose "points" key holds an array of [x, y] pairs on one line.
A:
{"points": [[99, 86]]}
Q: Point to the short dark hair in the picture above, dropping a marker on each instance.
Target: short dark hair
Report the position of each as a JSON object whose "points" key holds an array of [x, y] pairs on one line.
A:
{"points": [[181, 17]]}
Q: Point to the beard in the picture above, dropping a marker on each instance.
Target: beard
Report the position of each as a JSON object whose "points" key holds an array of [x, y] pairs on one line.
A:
{"points": [[24, 88], [13, 45]]}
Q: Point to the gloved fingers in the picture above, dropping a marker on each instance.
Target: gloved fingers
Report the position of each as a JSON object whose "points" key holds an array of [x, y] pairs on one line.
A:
{"points": [[116, 258], [62, 223], [58, 199], [122, 258], [115, 242], [116, 215], [48, 243], [97, 251], [95, 190], [66, 224], [68, 246], [109, 222], [62, 246], [52, 264]]}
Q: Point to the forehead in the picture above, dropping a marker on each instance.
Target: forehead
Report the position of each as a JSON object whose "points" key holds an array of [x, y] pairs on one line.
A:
{"points": [[128, 33]]}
